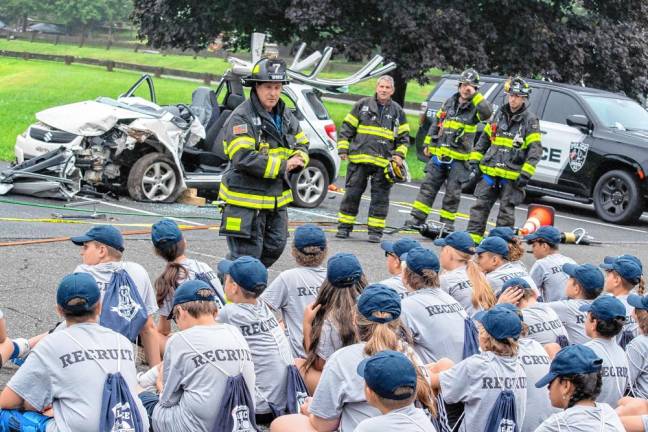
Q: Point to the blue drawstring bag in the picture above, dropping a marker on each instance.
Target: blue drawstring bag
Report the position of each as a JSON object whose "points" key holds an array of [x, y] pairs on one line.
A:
{"points": [[119, 413], [236, 413], [203, 277], [502, 417], [296, 391], [471, 338], [19, 421], [122, 309], [626, 338], [562, 341]]}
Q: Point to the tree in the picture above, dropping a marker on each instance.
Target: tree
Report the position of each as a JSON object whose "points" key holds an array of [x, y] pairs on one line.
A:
{"points": [[86, 14], [19, 10]]}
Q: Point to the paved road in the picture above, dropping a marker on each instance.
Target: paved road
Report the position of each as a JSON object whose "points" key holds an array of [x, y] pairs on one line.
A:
{"points": [[30, 273]]}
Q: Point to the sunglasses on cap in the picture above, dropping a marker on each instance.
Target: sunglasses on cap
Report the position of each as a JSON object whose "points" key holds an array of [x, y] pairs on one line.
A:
{"points": [[388, 254]]}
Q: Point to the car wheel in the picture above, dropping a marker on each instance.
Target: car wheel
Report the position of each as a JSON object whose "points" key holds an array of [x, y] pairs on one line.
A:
{"points": [[617, 197], [155, 178], [310, 185]]}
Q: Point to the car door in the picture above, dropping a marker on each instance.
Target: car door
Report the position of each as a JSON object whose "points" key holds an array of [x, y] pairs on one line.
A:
{"points": [[557, 137]]}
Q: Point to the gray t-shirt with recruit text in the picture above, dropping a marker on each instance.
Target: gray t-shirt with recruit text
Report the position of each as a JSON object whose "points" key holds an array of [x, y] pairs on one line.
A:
{"points": [[535, 362], [396, 283], [340, 392], [456, 283], [549, 277], [68, 370], [508, 271], [614, 371], [270, 349], [572, 318], [197, 363], [544, 324], [406, 419], [630, 325], [637, 353], [581, 418], [478, 381], [436, 321], [290, 293]]}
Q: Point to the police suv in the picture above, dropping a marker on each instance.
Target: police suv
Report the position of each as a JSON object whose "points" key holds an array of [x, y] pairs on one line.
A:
{"points": [[595, 143]]}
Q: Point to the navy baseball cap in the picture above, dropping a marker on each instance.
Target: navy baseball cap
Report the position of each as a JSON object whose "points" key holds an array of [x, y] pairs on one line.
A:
{"points": [[629, 268], [501, 322], [379, 298], [547, 234], [105, 234], [638, 302], [343, 270], [516, 282], [459, 240], [386, 371], [188, 292], [78, 286], [247, 272], [571, 360], [400, 246], [419, 259], [588, 276], [496, 245], [611, 259], [605, 308], [165, 232], [505, 233], [309, 236]]}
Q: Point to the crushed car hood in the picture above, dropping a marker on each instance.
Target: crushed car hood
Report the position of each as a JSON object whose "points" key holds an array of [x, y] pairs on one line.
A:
{"points": [[88, 118]]}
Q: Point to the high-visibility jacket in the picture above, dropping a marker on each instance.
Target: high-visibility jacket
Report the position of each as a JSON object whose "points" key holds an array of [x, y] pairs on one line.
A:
{"points": [[510, 145], [372, 134], [258, 145], [452, 133]]}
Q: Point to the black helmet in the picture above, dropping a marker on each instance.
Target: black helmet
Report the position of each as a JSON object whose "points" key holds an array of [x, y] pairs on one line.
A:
{"points": [[470, 77], [517, 86], [267, 70]]}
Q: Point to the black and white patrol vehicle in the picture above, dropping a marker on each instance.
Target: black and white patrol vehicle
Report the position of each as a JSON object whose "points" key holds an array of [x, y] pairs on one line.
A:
{"points": [[595, 144]]}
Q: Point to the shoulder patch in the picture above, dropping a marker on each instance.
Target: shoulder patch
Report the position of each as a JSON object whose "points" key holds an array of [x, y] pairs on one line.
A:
{"points": [[240, 129], [365, 108]]}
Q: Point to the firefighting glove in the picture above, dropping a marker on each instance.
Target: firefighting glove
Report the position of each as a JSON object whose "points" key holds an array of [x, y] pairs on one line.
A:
{"points": [[521, 182]]}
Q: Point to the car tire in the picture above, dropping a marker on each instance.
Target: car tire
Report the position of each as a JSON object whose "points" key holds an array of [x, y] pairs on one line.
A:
{"points": [[310, 185], [617, 197], [154, 178]]}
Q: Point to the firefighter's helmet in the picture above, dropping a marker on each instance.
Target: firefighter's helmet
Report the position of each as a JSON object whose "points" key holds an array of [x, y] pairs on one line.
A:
{"points": [[396, 173], [517, 86], [470, 77], [267, 70]]}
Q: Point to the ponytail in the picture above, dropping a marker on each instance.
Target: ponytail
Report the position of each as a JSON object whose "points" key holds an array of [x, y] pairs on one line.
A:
{"points": [[641, 286], [516, 250], [167, 282], [482, 294]]}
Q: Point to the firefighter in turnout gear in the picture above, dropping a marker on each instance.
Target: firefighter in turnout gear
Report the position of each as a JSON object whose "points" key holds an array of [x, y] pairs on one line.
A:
{"points": [[449, 143], [507, 154], [373, 135], [264, 143]]}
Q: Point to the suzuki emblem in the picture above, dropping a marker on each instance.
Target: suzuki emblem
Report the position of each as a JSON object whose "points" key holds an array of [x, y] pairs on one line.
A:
{"points": [[48, 137]]}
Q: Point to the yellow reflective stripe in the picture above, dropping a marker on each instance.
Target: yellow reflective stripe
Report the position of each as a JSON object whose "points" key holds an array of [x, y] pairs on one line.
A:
{"points": [[418, 205], [352, 120], [368, 159], [401, 149], [476, 237], [438, 114], [281, 152], [500, 172], [376, 131], [343, 145], [531, 138], [477, 98], [470, 128], [405, 127], [262, 202], [427, 140], [301, 138], [301, 153], [444, 214], [503, 141], [239, 143], [272, 167], [476, 156], [346, 219], [528, 168], [453, 124], [487, 130], [376, 222], [433, 150], [447, 151]]}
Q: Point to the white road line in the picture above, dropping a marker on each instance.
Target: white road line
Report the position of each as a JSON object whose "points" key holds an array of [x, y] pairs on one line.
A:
{"points": [[123, 207], [313, 213]]}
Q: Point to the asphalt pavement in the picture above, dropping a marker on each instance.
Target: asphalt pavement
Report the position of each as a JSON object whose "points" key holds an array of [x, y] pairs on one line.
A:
{"points": [[30, 273]]}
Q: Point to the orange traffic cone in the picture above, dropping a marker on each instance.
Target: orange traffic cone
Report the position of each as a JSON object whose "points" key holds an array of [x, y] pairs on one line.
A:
{"points": [[537, 216]]}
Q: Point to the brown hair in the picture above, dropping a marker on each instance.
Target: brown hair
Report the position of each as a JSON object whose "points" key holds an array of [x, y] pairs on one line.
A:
{"points": [[394, 404], [80, 316], [167, 282], [641, 285], [113, 253], [310, 256], [642, 320], [482, 293], [200, 308], [506, 347], [429, 279], [338, 306], [516, 249]]}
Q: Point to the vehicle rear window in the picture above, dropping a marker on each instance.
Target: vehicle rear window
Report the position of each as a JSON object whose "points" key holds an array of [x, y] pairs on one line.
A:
{"points": [[316, 104], [560, 106], [444, 90]]}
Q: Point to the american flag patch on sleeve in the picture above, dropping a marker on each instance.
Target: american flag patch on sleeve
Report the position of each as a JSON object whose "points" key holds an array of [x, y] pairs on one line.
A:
{"points": [[240, 129]]}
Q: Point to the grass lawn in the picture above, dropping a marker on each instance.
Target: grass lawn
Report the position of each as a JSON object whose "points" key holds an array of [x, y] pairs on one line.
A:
{"points": [[216, 65], [27, 87]]}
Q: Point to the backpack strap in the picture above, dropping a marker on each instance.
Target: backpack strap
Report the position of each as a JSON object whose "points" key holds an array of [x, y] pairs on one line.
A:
{"points": [[67, 333], [633, 389], [607, 356], [205, 357], [288, 361]]}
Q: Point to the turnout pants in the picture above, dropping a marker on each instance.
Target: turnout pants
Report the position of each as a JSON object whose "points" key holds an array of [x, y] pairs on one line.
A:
{"points": [[356, 182], [509, 196], [268, 239], [454, 175]]}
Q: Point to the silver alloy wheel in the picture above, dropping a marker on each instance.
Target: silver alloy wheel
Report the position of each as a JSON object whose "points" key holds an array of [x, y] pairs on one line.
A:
{"points": [[310, 184], [159, 181]]}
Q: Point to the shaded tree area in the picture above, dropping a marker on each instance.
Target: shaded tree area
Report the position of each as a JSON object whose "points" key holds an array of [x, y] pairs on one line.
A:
{"points": [[601, 43]]}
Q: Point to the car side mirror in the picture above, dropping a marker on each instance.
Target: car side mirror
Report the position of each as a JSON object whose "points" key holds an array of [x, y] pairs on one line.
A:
{"points": [[579, 121]]}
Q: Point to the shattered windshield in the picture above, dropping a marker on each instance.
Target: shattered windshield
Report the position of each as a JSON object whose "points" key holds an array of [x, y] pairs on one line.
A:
{"points": [[622, 114]]}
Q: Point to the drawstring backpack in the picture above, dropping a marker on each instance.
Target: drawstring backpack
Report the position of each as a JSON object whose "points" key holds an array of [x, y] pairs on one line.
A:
{"points": [[122, 309], [119, 412], [626, 338], [236, 413], [502, 417], [16, 420], [471, 338]]}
